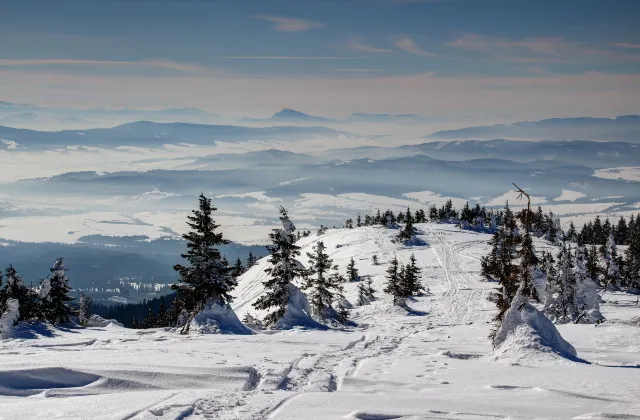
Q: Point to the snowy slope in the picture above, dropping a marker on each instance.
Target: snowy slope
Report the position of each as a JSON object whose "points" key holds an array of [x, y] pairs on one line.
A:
{"points": [[429, 363]]}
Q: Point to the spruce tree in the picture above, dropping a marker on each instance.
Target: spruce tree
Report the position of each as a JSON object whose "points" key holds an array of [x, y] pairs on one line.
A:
{"points": [[251, 260], [84, 306], [408, 232], [359, 221], [283, 269], [322, 288], [611, 269], [567, 278], [411, 280], [632, 257], [366, 292], [394, 283], [14, 288], [54, 295], [374, 259], [206, 279], [352, 271], [162, 319], [238, 269]]}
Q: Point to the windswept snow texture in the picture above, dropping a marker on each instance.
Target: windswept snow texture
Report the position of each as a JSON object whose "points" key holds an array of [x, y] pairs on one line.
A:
{"points": [[432, 360]]}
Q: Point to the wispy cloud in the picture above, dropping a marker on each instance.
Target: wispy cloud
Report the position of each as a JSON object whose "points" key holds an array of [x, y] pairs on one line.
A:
{"points": [[408, 45], [542, 49], [625, 45], [286, 57], [358, 44], [289, 24], [359, 70], [169, 65]]}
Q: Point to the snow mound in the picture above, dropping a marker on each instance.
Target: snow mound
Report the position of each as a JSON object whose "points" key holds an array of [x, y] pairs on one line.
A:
{"points": [[96, 321], [415, 241], [218, 319], [526, 330], [298, 312]]}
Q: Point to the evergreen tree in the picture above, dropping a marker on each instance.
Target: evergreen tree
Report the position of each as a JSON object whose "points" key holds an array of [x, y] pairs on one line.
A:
{"points": [[162, 319], [84, 306], [150, 320], [206, 279], [394, 283], [54, 295], [359, 221], [593, 268], [566, 274], [611, 269], [14, 288], [632, 256], [411, 279], [586, 296], [374, 259], [366, 292], [238, 269], [352, 271], [322, 287], [433, 214], [283, 269], [348, 224], [409, 231], [621, 232], [572, 235], [251, 260]]}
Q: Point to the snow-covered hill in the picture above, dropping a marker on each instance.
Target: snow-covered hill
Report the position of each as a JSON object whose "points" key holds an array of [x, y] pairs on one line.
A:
{"points": [[433, 361]]}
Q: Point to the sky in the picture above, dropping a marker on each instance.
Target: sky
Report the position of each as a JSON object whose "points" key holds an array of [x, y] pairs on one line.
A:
{"points": [[516, 58]]}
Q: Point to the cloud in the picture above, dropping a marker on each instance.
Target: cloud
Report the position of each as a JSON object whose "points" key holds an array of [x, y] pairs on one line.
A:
{"points": [[408, 45], [359, 70], [358, 44], [286, 57], [625, 45], [288, 24], [542, 49], [169, 65]]}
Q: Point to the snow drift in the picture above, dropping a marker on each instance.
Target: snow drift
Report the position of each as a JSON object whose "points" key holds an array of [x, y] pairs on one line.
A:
{"points": [[96, 321], [218, 319]]}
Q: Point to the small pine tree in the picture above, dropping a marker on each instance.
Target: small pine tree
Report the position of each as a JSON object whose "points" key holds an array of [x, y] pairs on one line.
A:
{"points": [[54, 295], [348, 224], [394, 283], [162, 319], [632, 256], [366, 292], [359, 221], [411, 279], [84, 306], [238, 269], [251, 260], [206, 279], [352, 271], [374, 259], [283, 270], [321, 287], [150, 320], [15, 289]]}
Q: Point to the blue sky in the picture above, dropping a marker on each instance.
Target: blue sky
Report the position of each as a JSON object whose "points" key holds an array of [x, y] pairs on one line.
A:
{"points": [[324, 55]]}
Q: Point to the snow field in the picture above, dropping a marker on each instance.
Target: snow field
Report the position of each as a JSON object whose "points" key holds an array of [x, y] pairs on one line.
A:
{"points": [[433, 361]]}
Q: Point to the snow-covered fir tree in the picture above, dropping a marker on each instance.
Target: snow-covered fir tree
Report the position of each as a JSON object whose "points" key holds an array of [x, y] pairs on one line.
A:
{"points": [[84, 306], [322, 286], [374, 260], [54, 295], [15, 288], [632, 257], [611, 262], [352, 271], [283, 269], [394, 283], [586, 296], [567, 277], [206, 280]]}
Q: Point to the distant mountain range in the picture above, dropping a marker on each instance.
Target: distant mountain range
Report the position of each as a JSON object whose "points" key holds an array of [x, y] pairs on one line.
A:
{"points": [[151, 134], [623, 128]]}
